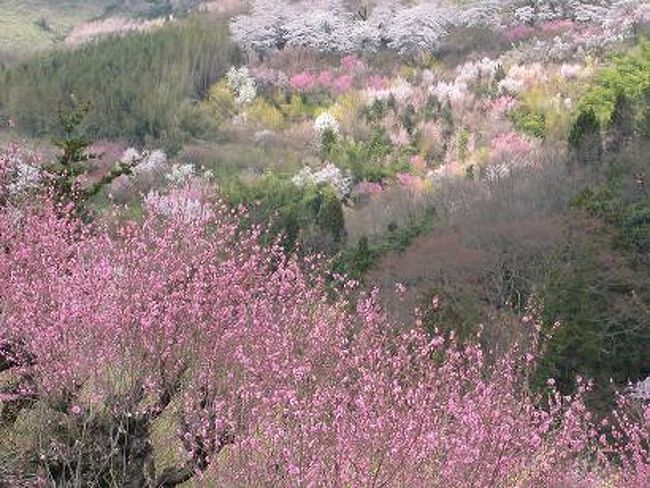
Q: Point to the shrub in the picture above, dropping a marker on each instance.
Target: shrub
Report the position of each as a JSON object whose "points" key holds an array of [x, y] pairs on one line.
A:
{"points": [[262, 113], [304, 215], [629, 74], [585, 139], [530, 123], [621, 123]]}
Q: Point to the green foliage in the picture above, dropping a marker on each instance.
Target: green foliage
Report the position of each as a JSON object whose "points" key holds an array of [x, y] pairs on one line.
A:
{"points": [[631, 217], [376, 111], [28, 26], [72, 162], [603, 332], [585, 139], [409, 118], [328, 142], [138, 84], [329, 214], [629, 74], [372, 159], [312, 216], [621, 122], [600, 289], [220, 103], [532, 123], [432, 108], [356, 260], [264, 114]]}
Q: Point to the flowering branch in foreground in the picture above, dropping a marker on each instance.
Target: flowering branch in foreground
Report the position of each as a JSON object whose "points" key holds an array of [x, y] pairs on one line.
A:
{"points": [[269, 380]]}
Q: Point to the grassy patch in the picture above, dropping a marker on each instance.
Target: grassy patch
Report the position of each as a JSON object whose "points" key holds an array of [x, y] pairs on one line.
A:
{"points": [[27, 26]]}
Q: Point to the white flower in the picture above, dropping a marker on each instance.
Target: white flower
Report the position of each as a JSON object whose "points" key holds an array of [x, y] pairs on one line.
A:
{"points": [[472, 71], [571, 71], [180, 173], [326, 122], [641, 390], [330, 25], [454, 91], [402, 90], [242, 84], [178, 205], [151, 162], [131, 156], [497, 172], [26, 177], [521, 77], [329, 175]]}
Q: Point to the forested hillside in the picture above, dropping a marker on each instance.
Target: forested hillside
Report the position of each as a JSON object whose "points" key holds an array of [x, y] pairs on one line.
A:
{"points": [[325, 243]]}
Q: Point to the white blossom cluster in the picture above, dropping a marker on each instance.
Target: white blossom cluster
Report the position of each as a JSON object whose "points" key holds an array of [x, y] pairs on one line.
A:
{"points": [[326, 122], [557, 49], [573, 71], [483, 70], [521, 77], [178, 205], [454, 91], [330, 174], [615, 19], [145, 162], [401, 90], [497, 172], [534, 11], [180, 173], [329, 25], [641, 390], [25, 177], [242, 84], [20, 172]]}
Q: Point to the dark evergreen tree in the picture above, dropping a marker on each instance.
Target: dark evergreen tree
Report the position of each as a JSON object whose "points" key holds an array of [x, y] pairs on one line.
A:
{"points": [[621, 123], [585, 139], [644, 121]]}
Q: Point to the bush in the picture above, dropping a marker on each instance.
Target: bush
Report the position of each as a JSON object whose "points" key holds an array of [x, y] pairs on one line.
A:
{"points": [[310, 215], [220, 102], [530, 122], [621, 123], [585, 139], [370, 160], [629, 74], [265, 115]]}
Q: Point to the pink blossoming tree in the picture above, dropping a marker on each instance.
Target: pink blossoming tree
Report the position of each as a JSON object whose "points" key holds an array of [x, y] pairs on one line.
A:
{"points": [[270, 377]]}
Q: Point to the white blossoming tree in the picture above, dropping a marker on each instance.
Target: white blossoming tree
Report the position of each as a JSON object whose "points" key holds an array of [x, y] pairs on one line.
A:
{"points": [[329, 25]]}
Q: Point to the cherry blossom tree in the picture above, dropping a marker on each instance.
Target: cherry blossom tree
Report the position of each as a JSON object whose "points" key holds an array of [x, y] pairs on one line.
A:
{"points": [[271, 373]]}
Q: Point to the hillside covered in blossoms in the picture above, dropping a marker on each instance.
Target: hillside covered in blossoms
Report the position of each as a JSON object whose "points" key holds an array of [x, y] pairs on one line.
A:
{"points": [[347, 243]]}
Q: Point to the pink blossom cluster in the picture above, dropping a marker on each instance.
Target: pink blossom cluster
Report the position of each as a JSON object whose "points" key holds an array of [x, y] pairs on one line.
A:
{"points": [[519, 33], [337, 80], [369, 188], [324, 80], [500, 106], [377, 83], [557, 26], [510, 146], [295, 387], [409, 181]]}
